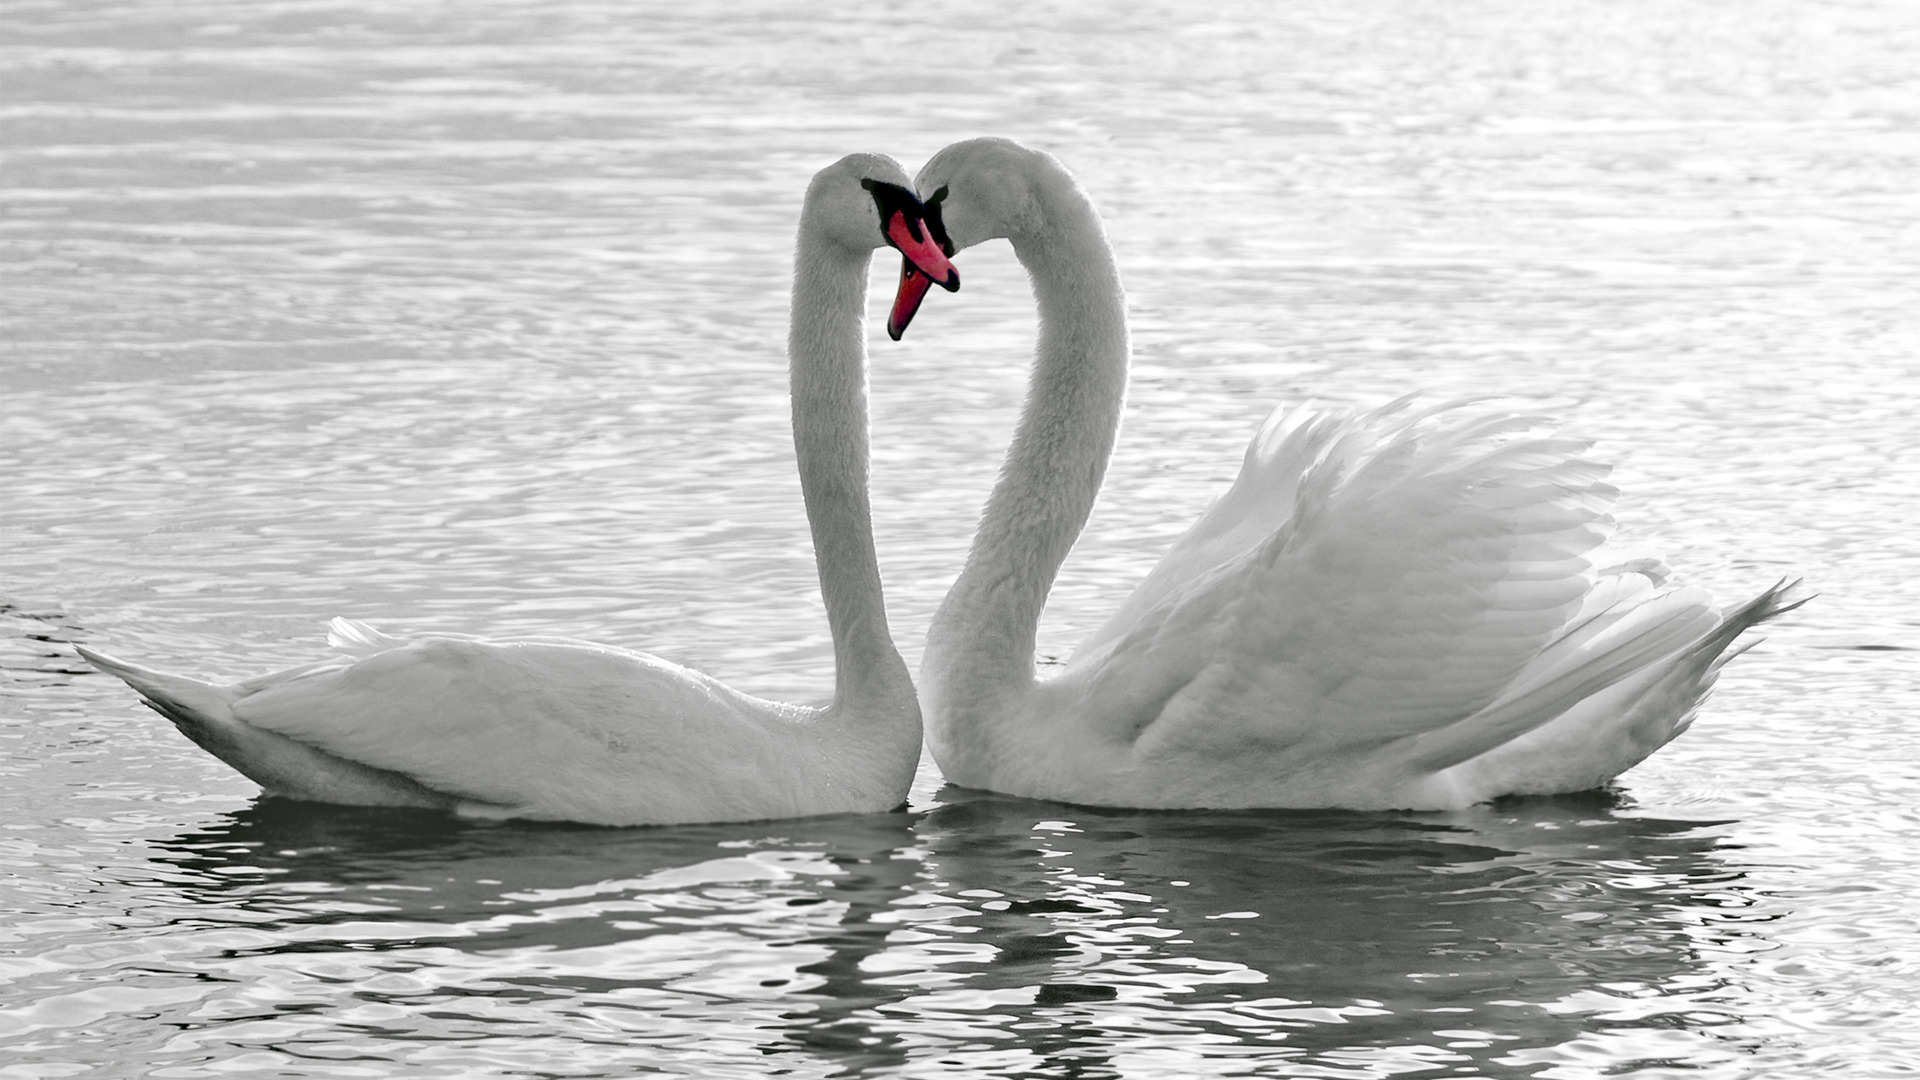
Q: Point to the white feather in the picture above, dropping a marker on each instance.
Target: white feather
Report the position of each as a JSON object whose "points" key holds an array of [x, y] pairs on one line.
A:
{"points": [[555, 728], [1399, 608]]}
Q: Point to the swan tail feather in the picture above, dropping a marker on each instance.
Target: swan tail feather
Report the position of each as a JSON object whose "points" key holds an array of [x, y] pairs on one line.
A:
{"points": [[1654, 635], [1639, 687], [205, 713], [1721, 646], [184, 700]]}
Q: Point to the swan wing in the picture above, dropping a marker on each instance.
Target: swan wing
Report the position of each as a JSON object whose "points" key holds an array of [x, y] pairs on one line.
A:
{"points": [[1625, 678], [1410, 567], [1260, 501], [542, 728], [355, 638]]}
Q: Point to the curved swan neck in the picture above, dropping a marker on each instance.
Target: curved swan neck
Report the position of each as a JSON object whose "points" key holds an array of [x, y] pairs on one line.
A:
{"points": [[827, 357], [984, 632]]}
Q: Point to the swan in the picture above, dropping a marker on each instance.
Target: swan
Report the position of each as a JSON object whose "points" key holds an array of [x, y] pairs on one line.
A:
{"points": [[556, 729], [1407, 608]]}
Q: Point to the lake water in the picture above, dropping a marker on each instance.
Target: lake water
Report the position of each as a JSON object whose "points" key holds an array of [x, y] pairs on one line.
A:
{"points": [[470, 316]]}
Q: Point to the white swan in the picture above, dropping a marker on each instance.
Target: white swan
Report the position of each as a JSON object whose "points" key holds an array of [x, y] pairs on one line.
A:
{"points": [[557, 729], [1393, 610]]}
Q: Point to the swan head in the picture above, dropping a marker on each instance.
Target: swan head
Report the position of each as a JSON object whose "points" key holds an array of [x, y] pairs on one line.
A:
{"points": [[849, 198], [989, 189], [984, 189]]}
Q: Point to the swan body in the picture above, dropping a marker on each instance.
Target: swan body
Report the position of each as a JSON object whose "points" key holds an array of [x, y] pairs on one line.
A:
{"points": [[1411, 607], [556, 729], [538, 728]]}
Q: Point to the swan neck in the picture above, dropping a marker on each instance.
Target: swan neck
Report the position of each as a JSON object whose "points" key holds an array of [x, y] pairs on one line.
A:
{"points": [[827, 358], [985, 632]]}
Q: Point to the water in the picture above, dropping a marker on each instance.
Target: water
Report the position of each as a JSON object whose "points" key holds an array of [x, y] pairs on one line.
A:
{"points": [[469, 317]]}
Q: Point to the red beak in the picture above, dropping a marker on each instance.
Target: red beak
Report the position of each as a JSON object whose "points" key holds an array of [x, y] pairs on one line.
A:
{"points": [[906, 300], [914, 229], [916, 242]]}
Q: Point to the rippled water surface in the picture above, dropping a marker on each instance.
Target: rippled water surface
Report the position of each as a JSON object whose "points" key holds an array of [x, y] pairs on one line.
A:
{"points": [[469, 316]]}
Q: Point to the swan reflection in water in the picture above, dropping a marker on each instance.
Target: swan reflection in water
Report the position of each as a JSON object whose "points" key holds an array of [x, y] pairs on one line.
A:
{"points": [[989, 932]]}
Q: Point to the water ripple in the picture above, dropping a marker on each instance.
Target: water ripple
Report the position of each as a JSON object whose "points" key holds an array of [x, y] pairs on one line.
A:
{"points": [[471, 318]]}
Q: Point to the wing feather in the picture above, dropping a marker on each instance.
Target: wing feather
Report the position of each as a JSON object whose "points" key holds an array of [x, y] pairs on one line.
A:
{"points": [[496, 721], [1365, 580]]}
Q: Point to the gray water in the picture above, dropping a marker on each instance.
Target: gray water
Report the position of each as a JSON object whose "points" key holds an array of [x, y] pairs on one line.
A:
{"points": [[469, 316]]}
